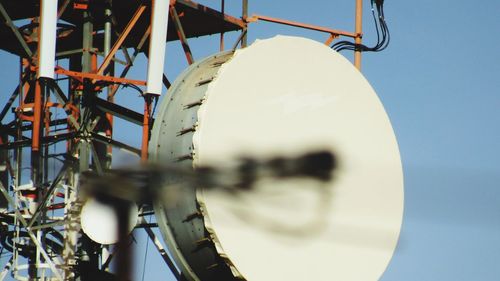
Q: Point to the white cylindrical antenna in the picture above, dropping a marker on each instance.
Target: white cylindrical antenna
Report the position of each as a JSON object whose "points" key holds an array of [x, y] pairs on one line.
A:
{"points": [[47, 40], [157, 45]]}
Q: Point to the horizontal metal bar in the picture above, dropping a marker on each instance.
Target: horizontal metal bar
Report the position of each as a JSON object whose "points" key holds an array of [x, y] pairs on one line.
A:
{"points": [[68, 53], [83, 75], [49, 225], [119, 111], [28, 127], [45, 140], [255, 18], [106, 140]]}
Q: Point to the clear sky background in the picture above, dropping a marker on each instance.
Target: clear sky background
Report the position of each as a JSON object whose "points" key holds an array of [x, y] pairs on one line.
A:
{"points": [[442, 94]]}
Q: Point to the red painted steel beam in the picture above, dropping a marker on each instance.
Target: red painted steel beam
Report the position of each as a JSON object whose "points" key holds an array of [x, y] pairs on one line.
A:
{"points": [[37, 117]]}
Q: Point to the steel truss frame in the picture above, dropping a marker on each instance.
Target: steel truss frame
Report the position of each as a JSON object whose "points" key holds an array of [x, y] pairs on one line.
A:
{"points": [[30, 213]]}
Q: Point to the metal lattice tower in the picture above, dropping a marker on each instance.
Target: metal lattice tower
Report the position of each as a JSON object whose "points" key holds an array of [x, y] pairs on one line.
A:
{"points": [[68, 122]]}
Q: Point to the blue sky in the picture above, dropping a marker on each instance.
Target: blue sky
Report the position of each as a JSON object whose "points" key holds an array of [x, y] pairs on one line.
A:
{"points": [[442, 95]]}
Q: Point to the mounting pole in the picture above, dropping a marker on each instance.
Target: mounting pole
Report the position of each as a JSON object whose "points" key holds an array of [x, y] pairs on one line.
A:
{"points": [[108, 123], [107, 28], [222, 10], [244, 16], [358, 31], [88, 28], [148, 99]]}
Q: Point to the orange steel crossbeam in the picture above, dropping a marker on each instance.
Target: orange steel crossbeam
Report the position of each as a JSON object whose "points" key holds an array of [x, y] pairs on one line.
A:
{"points": [[145, 128], [83, 75], [333, 32], [37, 117], [26, 118], [121, 39]]}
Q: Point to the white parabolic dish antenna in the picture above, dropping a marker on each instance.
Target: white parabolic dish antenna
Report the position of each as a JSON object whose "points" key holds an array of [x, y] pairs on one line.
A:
{"points": [[100, 221], [281, 96]]}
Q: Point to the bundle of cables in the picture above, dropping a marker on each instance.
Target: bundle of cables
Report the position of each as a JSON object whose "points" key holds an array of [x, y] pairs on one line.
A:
{"points": [[383, 36]]}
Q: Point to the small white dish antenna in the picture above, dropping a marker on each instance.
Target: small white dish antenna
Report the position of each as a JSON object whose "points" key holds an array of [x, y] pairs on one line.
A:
{"points": [[100, 221]]}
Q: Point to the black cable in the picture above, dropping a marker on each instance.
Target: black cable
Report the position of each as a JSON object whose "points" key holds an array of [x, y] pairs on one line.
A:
{"points": [[349, 46], [383, 35], [376, 25], [156, 98]]}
